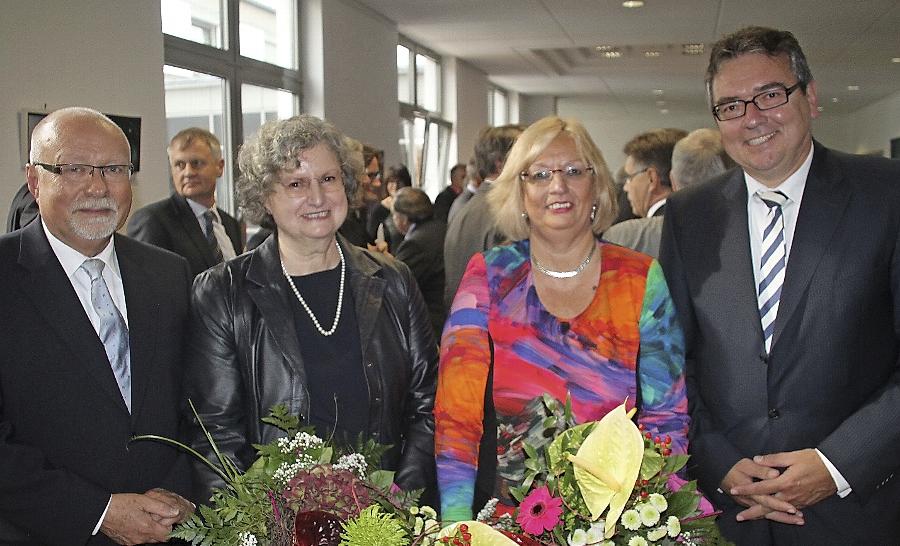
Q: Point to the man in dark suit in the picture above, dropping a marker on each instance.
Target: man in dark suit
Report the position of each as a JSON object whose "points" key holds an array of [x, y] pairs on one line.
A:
{"points": [[188, 223], [472, 229], [445, 199], [91, 354], [786, 277], [422, 249]]}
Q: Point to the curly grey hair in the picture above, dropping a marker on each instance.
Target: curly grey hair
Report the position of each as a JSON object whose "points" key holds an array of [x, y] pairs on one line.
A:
{"points": [[275, 147]]}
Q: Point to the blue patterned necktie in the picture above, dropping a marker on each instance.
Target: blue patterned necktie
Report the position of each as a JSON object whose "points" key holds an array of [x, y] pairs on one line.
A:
{"points": [[772, 263], [113, 331], [209, 221]]}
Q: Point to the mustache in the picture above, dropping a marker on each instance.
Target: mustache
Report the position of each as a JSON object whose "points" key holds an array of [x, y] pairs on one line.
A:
{"points": [[96, 203]]}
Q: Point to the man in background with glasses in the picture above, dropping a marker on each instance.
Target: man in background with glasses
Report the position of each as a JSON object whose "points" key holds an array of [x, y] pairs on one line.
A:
{"points": [[91, 339], [648, 160], [786, 277], [188, 222]]}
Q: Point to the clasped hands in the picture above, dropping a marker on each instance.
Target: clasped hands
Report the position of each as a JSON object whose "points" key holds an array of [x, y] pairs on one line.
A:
{"points": [[778, 486], [140, 519]]}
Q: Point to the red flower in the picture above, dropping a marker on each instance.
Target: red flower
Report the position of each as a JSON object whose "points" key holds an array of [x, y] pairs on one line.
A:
{"points": [[539, 511]]}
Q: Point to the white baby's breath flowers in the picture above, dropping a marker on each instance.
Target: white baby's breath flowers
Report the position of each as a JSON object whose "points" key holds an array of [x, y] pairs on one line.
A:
{"points": [[286, 472], [247, 539], [488, 511], [354, 462], [301, 440]]}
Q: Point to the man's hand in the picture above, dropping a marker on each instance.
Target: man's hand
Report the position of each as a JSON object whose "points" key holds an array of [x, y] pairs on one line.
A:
{"points": [[138, 519], [743, 473], [804, 481], [185, 507]]}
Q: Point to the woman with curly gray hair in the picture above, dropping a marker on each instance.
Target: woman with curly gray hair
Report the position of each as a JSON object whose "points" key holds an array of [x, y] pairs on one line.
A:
{"points": [[337, 334]]}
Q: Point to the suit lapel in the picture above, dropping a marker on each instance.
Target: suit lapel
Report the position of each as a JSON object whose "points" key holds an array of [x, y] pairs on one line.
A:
{"points": [[823, 204], [268, 289], [141, 297], [737, 260], [192, 227], [56, 301], [367, 289]]}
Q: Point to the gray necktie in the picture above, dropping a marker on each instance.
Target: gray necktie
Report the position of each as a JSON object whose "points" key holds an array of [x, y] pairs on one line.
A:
{"points": [[209, 220], [113, 331]]}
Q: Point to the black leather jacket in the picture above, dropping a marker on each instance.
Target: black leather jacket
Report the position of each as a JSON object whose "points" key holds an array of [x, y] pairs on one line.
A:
{"points": [[244, 358]]}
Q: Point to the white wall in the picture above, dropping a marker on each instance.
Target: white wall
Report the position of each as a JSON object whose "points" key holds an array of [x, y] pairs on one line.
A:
{"points": [[535, 107], [612, 125], [105, 54], [471, 107], [359, 58], [868, 130]]}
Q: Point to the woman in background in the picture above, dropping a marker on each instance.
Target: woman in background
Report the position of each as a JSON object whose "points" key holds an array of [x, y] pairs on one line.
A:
{"points": [[381, 226], [557, 312]]}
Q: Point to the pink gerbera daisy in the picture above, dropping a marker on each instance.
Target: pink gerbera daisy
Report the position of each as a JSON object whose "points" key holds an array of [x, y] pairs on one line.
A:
{"points": [[539, 511]]}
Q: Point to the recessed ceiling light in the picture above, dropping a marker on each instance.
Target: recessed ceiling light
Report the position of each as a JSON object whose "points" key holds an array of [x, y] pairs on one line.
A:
{"points": [[664, 111], [895, 60], [633, 4], [835, 99], [820, 108], [651, 53], [658, 92], [692, 49], [604, 48], [852, 88]]}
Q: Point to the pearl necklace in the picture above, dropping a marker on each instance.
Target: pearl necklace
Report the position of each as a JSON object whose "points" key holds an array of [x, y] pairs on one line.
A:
{"points": [[337, 314], [565, 274]]}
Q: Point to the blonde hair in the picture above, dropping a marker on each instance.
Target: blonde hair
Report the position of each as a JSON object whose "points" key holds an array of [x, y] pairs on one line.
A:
{"points": [[506, 197]]}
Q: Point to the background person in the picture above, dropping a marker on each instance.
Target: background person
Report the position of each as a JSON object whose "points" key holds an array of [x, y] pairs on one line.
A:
{"points": [[339, 335], [188, 222], [422, 248], [556, 312], [381, 227]]}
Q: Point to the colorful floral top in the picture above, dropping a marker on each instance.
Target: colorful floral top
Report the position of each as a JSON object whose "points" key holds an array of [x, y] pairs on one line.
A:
{"points": [[627, 336]]}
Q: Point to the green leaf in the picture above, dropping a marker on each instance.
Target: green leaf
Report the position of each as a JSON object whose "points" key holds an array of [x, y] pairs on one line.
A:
{"points": [[683, 503], [674, 463], [651, 464]]}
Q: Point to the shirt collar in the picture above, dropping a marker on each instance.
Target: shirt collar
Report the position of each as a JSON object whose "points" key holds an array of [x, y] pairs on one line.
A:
{"points": [[198, 209], [71, 260], [792, 187], [655, 207]]}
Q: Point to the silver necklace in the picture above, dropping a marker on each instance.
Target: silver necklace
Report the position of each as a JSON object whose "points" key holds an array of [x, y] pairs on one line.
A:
{"points": [[337, 314], [565, 274]]}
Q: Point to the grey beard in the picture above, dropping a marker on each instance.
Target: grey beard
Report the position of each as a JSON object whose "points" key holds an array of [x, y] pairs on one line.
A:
{"points": [[100, 228]]}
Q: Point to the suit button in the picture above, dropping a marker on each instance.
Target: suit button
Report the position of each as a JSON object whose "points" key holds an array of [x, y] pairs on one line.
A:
{"points": [[774, 414], [377, 399], [370, 364]]}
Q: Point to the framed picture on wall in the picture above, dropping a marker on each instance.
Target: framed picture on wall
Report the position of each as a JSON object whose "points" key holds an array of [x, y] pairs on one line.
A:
{"points": [[131, 126]]}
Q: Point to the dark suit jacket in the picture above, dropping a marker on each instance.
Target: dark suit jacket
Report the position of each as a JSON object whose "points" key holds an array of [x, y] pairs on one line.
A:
{"points": [[831, 379], [172, 225], [443, 202], [64, 428], [423, 251], [22, 211], [470, 231]]}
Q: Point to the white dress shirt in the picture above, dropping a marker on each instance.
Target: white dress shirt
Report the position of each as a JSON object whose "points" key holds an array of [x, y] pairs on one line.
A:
{"points": [[228, 251], [71, 260], [757, 212]]}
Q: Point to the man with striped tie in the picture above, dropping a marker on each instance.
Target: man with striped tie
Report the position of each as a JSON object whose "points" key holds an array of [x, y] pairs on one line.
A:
{"points": [[786, 276]]}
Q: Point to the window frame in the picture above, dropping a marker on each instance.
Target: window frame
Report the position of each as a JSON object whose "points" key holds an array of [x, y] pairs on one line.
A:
{"points": [[236, 69]]}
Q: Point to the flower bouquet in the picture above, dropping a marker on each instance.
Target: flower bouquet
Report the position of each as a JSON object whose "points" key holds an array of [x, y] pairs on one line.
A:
{"points": [[301, 491], [605, 483]]}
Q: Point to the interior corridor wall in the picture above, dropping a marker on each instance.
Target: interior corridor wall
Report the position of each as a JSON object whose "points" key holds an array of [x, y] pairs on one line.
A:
{"points": [[104, 54]]}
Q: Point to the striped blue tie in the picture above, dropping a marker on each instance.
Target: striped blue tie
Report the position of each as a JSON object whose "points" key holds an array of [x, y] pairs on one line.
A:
{"points": [[772, 263], [113, 331]]}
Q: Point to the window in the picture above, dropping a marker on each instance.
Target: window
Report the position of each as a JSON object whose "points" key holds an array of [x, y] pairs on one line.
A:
{"points": [[498, 106], [424, 135], [230, 66]]}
